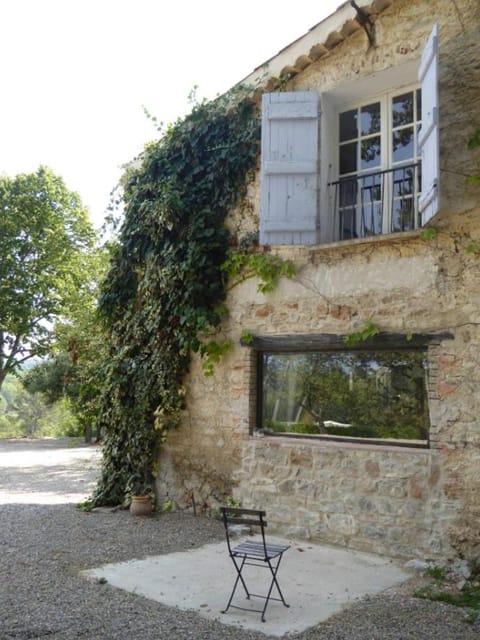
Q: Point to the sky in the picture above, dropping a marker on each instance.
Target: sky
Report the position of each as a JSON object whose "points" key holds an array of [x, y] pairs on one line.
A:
{"points": [[76, 75]]}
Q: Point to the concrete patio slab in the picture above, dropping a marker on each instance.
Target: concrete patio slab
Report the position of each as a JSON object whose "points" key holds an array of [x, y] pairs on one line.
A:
{"points": [[317, 581]]}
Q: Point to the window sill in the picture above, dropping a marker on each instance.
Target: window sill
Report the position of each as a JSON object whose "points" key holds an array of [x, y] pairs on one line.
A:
{"points": [[334, 443], [382, 238]]}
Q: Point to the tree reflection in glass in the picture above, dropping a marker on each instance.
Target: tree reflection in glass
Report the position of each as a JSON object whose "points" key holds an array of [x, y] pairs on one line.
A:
{"points": [[359, 394]]}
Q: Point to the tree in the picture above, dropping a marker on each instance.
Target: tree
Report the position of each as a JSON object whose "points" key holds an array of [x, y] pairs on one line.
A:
{"points": [[74, 369], [51, 377], [45, 242]]}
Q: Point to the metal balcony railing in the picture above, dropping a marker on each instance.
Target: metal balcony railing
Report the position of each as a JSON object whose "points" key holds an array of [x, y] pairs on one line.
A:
{"points": [[371, 204]]}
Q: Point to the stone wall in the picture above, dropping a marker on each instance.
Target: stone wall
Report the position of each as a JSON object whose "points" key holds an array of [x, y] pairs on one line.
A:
{"points": [[398, 501]]}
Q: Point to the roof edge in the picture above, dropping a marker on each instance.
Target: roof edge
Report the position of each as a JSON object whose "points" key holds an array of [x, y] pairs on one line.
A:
{"points": [[314, 44]]}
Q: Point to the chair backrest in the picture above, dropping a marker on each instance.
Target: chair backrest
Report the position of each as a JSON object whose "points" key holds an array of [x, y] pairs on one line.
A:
{"points": [[248, 517]]}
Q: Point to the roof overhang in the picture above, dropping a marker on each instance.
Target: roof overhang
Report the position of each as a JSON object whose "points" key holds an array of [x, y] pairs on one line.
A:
{"points": [[315, 44]]}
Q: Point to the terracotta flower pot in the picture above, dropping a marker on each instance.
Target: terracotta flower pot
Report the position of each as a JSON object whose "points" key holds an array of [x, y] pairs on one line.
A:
{"points": [[141, 506]]}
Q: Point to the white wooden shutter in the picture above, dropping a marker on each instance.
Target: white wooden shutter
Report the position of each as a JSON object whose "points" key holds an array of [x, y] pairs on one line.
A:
{"points": [[429, 135], [289, 197]]}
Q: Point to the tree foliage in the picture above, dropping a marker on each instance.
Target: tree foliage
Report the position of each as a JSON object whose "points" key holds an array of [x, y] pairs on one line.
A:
{"points": [[25, 414], [74, 368], [51, 377], [163, 295], [45, 238]]}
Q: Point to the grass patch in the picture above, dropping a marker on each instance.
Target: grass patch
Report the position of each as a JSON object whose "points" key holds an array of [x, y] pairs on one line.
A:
{"points": [[468, 597], [437, 573]]}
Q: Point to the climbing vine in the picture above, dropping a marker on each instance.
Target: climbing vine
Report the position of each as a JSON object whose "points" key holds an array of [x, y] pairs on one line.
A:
{"points": [[163, 296], [369, 330]]}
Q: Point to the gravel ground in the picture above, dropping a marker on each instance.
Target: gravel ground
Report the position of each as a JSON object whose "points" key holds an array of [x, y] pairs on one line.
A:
{"points": [[44, 546]]}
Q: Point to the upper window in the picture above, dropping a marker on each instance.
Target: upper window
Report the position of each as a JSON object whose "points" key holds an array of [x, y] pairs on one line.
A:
{"points": [[378, 167], [384, 159], [378, 395]]}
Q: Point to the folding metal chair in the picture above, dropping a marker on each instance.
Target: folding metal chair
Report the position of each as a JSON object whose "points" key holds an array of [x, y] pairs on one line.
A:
{"points": [[257, 553]]}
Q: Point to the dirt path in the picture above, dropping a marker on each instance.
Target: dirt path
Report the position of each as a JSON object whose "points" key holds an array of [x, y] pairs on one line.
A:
{"points": [[49, 471]]}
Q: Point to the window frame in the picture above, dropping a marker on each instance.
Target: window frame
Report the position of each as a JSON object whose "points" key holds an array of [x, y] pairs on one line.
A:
{"points": [[337, 343], [387, 164]]}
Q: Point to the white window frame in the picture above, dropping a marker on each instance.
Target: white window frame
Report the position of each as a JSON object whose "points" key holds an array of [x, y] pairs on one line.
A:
{"points": [[387, 163]]}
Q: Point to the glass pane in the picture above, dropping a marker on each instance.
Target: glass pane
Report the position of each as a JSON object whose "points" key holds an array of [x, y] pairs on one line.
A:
{"points": [[403, 215], [357, 394], [370, 119], [402, 109], [371, 189], [348, 192], [419, 104], [348, 125], [371, 153], [403, 145], [348, 158], [403, 182], [371, 218], [348, 223]]}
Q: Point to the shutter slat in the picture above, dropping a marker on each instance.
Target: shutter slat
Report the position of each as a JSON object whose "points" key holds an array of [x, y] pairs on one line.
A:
{"points": [[290, 168], [280, 110]]}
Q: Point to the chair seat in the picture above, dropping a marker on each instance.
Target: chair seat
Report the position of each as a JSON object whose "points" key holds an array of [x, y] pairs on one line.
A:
{"points": [[256, 550]]}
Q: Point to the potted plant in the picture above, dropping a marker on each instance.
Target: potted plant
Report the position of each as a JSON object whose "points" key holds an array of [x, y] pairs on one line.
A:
{"points": [[141, 496]]}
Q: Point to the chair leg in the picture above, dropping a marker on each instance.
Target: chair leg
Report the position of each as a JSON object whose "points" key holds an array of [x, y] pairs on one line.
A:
{"points": [[273, 570], [238, 579], [274, 582]]}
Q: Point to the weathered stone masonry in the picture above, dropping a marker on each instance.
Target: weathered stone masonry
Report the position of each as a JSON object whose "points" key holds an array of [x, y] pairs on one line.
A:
{"points": [[398, 501]]}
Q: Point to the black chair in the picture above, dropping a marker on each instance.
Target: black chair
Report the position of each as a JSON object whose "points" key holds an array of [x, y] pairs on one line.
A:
{"points": [[257, 553]]}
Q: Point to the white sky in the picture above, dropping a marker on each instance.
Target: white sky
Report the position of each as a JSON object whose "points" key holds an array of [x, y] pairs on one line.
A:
{"points": [[75, 75]]}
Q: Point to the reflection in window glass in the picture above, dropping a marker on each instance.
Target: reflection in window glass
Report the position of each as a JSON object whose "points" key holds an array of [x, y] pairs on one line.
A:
{"points": [[403, 148], [403, 215], [370, 119], [372, 188], [371, 205], [354, 394], [371, 152], [402, 109]]}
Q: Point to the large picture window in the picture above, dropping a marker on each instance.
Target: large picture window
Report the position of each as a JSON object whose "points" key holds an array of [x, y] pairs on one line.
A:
{"points": [[377, 395]]}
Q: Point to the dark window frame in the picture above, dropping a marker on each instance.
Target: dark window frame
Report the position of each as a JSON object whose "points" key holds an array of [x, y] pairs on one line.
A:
{"points": [[338, 343]]}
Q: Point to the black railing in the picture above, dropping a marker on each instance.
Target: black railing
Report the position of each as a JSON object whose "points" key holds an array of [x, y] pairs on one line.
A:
{"points": [[370, 204]]}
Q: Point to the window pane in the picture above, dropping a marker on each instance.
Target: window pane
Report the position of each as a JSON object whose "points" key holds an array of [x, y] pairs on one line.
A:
{"points": [[348, 158], [348, 192], [348, 223], [371, 153], [403, 215], [371, 219], [371, 394], [403, 181], [403, 145], [348, 125], [370, 119], [372, 188], [402, 109]]}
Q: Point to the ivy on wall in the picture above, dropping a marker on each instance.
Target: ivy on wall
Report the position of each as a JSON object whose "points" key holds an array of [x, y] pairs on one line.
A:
{"points": [[166, 285]]}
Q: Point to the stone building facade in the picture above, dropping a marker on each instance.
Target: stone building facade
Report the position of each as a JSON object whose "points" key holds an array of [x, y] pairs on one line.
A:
{"points": [[385, 496]]}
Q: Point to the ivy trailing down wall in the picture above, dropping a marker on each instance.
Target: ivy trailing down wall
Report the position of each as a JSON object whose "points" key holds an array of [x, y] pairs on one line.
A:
{"points": [[165, 288]]}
